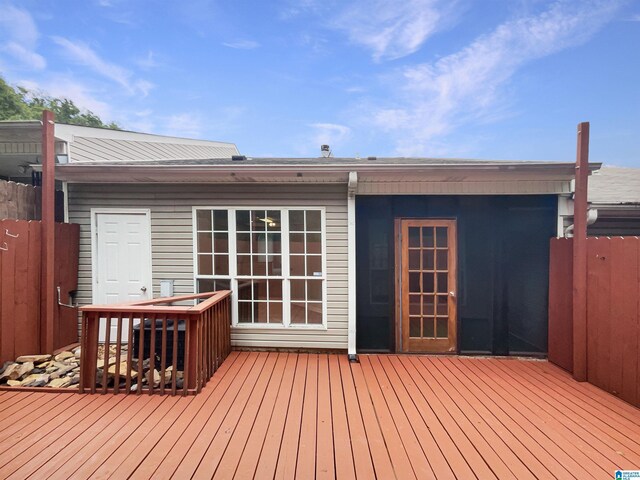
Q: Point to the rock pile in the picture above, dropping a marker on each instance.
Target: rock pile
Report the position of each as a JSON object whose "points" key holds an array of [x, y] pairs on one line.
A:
{"points": [[63, 370], [149, 375], [60, 371]]}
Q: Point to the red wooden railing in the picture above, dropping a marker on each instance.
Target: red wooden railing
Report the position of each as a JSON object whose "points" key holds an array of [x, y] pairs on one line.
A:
{"points": [[184, 365]]}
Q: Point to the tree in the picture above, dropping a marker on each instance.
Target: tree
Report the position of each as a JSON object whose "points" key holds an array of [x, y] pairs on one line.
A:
{"points": [[20, 103]]}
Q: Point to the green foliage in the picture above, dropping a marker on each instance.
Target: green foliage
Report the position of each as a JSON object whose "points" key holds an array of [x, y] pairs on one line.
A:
{"points": [[20, 103]]}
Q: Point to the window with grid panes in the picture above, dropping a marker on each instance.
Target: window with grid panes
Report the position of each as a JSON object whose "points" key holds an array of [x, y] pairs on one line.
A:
{"points": [[272, 259]]}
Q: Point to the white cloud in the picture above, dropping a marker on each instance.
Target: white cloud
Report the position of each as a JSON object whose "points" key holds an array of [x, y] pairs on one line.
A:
{"points": [[184, 125], [331, 134], [28, 57], [467, 85], [242, 44], [19, 36], [393, 28], [149, 61], [83, 54]]}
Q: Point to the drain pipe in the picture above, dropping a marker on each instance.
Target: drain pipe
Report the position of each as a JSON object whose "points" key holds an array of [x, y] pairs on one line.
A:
{"points": [[351, 255]]}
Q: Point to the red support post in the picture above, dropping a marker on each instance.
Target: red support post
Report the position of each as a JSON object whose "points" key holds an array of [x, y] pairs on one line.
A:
{"points": [[580, 255], [49, 302]]}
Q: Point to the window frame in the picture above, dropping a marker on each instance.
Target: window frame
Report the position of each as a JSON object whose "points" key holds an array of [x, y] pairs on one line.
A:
{"points": [[286, 276]]}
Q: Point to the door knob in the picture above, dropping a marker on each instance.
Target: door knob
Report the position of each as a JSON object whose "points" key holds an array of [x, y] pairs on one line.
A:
{"points": [[143, 289], [452, 293]]}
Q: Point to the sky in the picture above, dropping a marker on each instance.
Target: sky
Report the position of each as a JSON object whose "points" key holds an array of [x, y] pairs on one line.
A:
{"points": [[490, 79]]}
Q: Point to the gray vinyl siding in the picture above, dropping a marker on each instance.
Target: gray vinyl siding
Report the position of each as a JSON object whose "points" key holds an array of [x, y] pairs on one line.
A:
{"points": [[172, 243]]}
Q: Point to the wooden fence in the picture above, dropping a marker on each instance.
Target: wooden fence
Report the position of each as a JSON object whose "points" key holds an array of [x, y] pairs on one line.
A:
{"points": [[613, 312], [153, 346], [21, 329], [23, 202]]}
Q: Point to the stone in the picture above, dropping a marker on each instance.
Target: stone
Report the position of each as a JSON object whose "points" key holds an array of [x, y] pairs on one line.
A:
{"points": [[74, 380], [60, 382], [14, 383], [33, 358], [35, 380], [122, 371], [60, 372], [100, 362], [16, 370], [62, 355], [4, 366], [155, 375], [38, 370]]}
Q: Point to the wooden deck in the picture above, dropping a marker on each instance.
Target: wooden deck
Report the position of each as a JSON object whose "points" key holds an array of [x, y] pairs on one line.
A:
{"points": [[270, 415]]}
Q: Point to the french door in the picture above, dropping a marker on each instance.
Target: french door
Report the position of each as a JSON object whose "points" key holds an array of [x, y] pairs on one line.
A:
{"points": [[427, 277]]}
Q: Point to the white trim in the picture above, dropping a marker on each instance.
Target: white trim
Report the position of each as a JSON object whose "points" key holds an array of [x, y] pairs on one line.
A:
{"points": [[286, 287], [65, 196], [351, 253], [94, 244]]}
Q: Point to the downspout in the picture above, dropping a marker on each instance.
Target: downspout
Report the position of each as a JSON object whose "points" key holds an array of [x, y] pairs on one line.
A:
{"points": [[351, 254]]}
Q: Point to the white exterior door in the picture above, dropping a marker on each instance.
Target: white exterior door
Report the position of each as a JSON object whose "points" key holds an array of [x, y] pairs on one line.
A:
{"points": [[122, 261]]}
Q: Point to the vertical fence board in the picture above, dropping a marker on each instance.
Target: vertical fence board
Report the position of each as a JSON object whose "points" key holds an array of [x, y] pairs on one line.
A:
{"points": [[560, 303], [20, 292], [613, 312]]}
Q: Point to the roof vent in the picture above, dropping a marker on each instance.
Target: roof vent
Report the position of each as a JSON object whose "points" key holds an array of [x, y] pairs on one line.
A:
{"points": [[325, 150], [238, 158], [372, 158]]}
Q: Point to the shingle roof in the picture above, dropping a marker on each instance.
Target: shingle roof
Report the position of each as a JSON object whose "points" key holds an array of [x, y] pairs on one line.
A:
{"points": [[615, 185]]}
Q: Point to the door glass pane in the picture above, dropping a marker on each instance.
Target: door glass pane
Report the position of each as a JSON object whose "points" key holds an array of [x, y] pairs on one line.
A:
{"points": [[203, 219], [297, 290], [428, 327], [272, 220], [313, 220], [427, 283], [274, 264], [204, 242], [443, 305], [427, 259], [221, 264], [442, 327], [428, 302], [414, 237], [314, 290], [414, 305], [427, 237], [205, 265], [314, 243], [442, 259], [314, 265], [260, 310], [245, 312], [220, 242], [296, 265], [296, 243], [414, 259], [414, 282], [296, 221], [314, 313], [220, 220], [443, 284], [298, 313], [259, 265], [244, 264], [275, 290], [441, 237], [243, 224], [414, 327], [275, 312]]}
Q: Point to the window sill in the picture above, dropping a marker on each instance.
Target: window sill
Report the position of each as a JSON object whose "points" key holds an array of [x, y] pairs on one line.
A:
{"points": [[266, 326]]}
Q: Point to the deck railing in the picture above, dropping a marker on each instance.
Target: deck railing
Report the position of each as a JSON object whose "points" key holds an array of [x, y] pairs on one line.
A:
{"points": [[153, 346]]}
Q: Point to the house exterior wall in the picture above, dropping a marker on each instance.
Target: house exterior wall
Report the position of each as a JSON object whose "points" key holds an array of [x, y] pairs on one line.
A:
{"points": [[171, 207]]}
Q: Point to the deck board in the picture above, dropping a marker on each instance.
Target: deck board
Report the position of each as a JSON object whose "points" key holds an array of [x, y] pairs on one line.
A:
{"points": [[289, 415]]}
